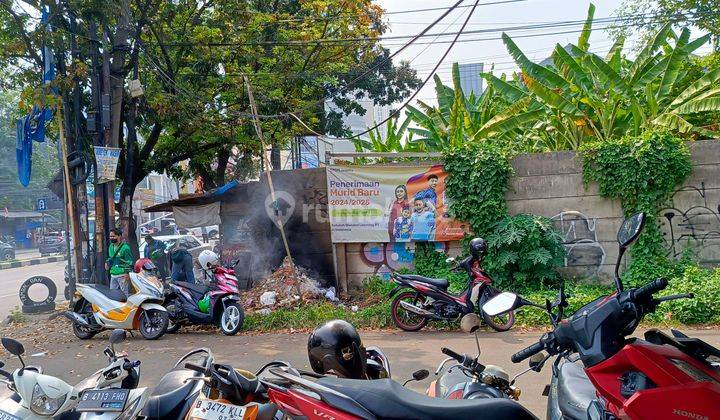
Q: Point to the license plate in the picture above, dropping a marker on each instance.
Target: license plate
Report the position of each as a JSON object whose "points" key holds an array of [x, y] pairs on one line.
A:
{"points": [[103, 400], [212, 410], [7, 416]]}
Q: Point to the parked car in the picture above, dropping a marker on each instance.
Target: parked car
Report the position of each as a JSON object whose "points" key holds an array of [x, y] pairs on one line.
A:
{"points": [[52, 243], [191, 243], [7, 251]]}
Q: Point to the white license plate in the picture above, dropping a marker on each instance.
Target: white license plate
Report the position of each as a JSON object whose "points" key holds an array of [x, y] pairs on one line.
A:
{"points": [[212, 410], [7, 416]]}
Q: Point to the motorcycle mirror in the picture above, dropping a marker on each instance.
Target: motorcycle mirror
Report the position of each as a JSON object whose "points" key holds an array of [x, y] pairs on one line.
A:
{"points": [[450, 260], [14, 347], [470, 323], [117, 336], [421, 374], [630, 229], [504, 302]]}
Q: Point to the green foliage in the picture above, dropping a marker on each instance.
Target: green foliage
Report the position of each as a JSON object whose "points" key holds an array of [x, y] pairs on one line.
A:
{"points": [[579, 294], [479, 174], [431, 263], [704, 308], [525, 252], [641, 172]]}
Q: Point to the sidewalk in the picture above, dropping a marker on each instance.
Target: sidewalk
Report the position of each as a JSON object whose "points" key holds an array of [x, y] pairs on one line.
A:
{"points": [[31, 256]]}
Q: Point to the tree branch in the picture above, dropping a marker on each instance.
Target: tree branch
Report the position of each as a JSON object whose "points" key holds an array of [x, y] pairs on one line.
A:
{"points": [[21, 30]]}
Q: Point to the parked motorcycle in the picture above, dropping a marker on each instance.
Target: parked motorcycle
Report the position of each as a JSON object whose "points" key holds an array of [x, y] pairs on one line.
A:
{"points": [[346, 399], [216, 303], [174, 396], [35, 396], [98, 307], [468, 378], [620, 376], [115, 393], [421, 299]]}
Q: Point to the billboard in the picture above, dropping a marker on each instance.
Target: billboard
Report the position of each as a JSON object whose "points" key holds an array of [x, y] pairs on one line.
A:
{"points": [[390, 204]]}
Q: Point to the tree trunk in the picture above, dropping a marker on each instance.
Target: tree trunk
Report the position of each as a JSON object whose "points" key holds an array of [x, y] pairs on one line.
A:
{"points": [[118, 72]]}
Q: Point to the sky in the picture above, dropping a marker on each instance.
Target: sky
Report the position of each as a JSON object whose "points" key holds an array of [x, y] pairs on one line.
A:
{"points": [[492, 16]]}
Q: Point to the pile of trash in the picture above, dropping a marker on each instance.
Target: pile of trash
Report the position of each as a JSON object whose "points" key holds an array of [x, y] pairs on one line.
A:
{"points": [[286, 287]]}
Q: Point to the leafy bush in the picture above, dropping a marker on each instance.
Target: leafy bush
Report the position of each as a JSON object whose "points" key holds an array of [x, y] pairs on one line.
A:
{"points": [[703, 309], [525, 252], [641, 172], [430, 263], [479, 174], [578, 295]]}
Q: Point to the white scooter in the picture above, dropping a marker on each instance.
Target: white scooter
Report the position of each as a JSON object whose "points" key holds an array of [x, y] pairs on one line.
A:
{"points": [[35, 396], [115, 394], [98, 307]]}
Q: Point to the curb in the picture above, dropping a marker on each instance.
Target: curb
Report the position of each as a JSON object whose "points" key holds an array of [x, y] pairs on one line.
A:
{"points": [[34, 261]]}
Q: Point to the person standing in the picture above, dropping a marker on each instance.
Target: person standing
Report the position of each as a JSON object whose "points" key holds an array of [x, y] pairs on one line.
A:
{"points": [[396, 208], [120, 262], [182, 265], [155, 250]]}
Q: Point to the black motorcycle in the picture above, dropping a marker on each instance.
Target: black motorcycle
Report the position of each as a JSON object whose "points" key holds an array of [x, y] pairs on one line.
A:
{"points": [[428, 298]]}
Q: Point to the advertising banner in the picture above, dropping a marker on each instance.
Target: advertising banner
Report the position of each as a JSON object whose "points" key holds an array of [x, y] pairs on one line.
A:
{"points": [[107, 160], [390, 204]]}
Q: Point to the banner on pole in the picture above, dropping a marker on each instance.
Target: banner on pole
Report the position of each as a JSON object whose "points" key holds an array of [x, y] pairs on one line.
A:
{"points": [[390, 204], [107, 160]]}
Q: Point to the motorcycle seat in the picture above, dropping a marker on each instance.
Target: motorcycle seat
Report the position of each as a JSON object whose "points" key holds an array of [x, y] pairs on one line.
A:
{"points": [[387, 399], [575, 391], [170, 393], [441, 283], [199, 288], [113, 294]]}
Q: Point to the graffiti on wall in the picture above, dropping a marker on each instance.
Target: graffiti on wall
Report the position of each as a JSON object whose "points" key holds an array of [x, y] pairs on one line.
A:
{"points": [[693, 223], [384, 258], [584, 253]]}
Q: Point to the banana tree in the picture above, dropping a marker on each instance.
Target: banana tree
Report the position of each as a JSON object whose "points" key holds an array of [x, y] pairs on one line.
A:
{"points": [[393, 140], [587, 96]]}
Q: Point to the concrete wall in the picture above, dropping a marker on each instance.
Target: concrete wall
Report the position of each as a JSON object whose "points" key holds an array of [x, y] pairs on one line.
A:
{"points": [[551, 185]]}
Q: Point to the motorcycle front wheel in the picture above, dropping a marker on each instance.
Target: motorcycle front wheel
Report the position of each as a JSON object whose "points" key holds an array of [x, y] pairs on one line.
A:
{"points": [[232, 318], [404, 319], [153, 324]]}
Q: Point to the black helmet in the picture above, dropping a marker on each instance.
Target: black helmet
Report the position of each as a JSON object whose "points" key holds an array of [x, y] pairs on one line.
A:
{"points": [[478, 248], [335, 347]]}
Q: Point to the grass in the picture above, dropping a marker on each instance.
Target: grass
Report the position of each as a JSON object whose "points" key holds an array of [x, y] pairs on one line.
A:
{"points": [[16, 316]]}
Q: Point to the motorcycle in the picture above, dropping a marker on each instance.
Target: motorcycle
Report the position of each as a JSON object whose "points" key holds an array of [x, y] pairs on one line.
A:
{"points": [[216, 303], [173, 397], [469, 379], [98, 307], [350, 399], [422, 298], [34, 396], [620, 376], [115, 393]]}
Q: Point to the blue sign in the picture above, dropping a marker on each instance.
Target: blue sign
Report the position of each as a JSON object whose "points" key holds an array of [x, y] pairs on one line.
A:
{"points": [[42, 204]]}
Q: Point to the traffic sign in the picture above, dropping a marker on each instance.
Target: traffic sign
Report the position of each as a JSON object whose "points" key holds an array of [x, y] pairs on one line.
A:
{"points": [[42, 204]]}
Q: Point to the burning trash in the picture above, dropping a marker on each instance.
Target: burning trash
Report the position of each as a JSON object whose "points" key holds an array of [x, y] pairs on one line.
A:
{"points": [[286, 287]]}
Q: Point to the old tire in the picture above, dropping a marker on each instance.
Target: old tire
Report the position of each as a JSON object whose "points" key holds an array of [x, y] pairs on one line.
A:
{"points": [[38, 308], [30, 306], [500, 322], [153, 324], [407, 321], [231, 319]]}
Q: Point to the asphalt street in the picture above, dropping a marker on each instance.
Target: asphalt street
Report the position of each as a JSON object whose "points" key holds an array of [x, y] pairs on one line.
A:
{"points": [[73, 359], [11, 279]]}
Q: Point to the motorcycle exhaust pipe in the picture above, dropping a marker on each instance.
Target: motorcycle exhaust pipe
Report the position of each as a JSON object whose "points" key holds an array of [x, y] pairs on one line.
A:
{"points": [[416, 310], [76, 318]]}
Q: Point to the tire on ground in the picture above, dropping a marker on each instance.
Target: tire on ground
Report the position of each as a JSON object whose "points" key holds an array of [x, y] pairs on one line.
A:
{"points": [[30, 306]]}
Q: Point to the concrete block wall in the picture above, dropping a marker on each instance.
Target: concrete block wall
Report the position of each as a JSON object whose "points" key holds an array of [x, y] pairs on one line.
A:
{"points": [[551, 185]]}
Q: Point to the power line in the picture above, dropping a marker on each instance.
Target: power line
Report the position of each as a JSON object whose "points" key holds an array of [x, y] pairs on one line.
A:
{"points": [[432, 9]]}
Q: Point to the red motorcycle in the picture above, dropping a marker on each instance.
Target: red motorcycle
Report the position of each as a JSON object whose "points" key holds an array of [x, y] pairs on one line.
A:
{"points": [[660, 377], [428, 298]]}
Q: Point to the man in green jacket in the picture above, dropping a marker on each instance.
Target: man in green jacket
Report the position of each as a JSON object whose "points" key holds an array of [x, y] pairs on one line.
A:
{"points": [[120, 262]]}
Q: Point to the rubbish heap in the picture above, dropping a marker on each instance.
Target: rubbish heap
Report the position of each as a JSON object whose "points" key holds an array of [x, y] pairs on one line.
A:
{"points": [[285, 287]]}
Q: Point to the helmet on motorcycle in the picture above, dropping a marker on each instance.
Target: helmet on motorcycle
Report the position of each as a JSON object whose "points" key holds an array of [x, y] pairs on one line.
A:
{"points": [[144, 264], [208, 259], [478, 248], [336, 347]]}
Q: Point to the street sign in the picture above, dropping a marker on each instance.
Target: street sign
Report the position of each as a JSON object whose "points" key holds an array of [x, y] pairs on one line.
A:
{"points": [[42, 204]]}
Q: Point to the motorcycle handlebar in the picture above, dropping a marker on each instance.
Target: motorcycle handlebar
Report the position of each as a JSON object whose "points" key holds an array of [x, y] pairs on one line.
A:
{"points": [[459, 357], [131, 365], [196, 368], [527, 352], [646, 292]]}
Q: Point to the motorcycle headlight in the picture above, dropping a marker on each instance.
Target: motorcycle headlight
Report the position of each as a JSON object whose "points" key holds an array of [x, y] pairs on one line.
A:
{"points": [[43, 405]]}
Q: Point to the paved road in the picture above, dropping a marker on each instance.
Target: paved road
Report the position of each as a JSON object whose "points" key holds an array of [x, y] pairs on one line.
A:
{"points": [[11, 279], [72, 359]]}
